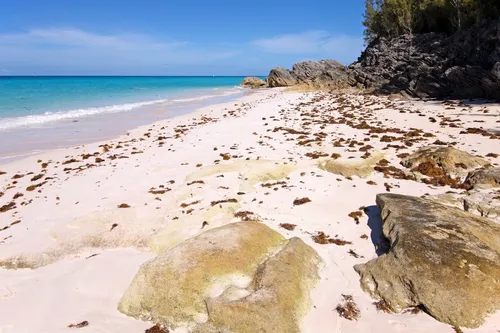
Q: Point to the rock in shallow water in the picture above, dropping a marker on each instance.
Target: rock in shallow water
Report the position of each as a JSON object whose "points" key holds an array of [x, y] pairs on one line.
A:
{"points": [[242, 277], [441, 258]]}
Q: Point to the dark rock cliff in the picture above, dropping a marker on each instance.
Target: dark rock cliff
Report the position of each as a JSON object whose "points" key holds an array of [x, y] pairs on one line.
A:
{"points": [[465, 65]]}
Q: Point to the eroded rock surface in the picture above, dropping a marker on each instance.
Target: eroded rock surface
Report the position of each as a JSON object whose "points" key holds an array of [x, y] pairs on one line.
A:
{"points": [[465, 65], [320, 74], [242, 277], [281, 77], [441, 258]]}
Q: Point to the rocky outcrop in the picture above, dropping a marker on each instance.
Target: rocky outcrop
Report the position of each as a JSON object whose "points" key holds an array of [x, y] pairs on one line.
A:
{"points": [[242, 277], [281, 77], [253, 82], [485, 177], [323, 73], [436, 161], [465, 65], [441, 258]]}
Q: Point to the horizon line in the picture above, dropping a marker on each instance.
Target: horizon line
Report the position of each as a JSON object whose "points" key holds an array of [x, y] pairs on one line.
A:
{"points": [[119, 75]]}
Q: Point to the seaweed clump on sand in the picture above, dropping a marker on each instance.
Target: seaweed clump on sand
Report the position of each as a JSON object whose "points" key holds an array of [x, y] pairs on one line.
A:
{"points": [[7, 207], [245, 215], [322, 238], [215, 203], [298, 202], [157, 329], [356, 215], [348, 309], [288, 226], [79, 325]]}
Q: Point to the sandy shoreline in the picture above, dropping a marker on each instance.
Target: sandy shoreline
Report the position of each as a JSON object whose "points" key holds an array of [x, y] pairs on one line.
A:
{"points": [[86, 250], [31, 140]]}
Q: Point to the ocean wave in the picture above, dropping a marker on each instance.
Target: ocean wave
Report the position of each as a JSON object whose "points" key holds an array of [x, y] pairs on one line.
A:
{"points": [[39, 119], [203, 97], [47, 117]]}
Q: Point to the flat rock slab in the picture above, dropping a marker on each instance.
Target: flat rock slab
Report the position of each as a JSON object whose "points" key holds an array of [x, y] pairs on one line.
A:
{"points": [[477, 201], [242, 277], [441, 258]]}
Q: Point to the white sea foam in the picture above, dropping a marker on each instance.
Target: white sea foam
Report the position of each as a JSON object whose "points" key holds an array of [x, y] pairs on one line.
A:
{"points": [[40, 119], [9, 123]]}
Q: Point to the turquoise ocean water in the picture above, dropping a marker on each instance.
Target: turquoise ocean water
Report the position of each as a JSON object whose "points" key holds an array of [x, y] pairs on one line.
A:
{"points": [[34, 101]]}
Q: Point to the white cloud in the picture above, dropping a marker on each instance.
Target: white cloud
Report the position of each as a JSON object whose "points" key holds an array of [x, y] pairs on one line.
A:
{"points": [[74, 50], [317, 42]]}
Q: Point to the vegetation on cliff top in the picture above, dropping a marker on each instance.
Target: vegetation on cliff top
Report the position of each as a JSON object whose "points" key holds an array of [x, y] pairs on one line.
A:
{"points": [[391, 18]]}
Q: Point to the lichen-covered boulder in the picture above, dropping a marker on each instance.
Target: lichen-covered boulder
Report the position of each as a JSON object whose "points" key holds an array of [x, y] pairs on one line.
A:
{"points": [[441, 258], [242, 277], [253, 82], [449, 161], [484, 177]]}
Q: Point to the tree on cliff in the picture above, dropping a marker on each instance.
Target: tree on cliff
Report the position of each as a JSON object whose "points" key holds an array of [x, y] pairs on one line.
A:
{"points": [[391, 18]]}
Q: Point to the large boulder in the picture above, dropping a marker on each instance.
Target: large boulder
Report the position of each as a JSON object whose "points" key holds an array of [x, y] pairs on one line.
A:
{"points": [[242, 277], [253, 82], [438, 161], [441, 258], [484, 177], [281, 77]]}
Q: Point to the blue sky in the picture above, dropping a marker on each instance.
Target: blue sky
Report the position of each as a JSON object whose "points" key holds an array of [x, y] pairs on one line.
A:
{"points": [[171, 37]]}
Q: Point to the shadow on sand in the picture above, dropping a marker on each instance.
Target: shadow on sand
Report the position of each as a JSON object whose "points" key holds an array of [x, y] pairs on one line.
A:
{"points": [[375, 223]]}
